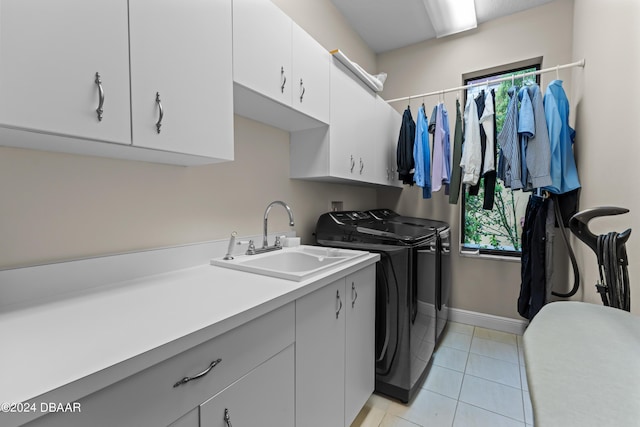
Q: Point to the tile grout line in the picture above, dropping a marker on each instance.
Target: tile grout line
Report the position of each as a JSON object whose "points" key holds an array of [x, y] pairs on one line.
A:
{"points": [[495, 382], [464, 373], [496, 413]]}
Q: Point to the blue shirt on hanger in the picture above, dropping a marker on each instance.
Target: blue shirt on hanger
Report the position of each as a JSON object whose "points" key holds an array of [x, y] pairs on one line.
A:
{"points": [[422, 154], [564, 174]]}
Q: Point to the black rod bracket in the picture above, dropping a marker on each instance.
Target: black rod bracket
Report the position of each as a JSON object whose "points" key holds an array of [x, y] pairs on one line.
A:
{"points": [[579, 225]]}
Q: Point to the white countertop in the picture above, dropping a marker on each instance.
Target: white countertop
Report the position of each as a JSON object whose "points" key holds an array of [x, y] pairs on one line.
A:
{"points": [[63, 350]]}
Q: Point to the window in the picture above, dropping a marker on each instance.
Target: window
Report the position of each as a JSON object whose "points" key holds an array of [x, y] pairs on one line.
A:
{"points": [[497, 231]]}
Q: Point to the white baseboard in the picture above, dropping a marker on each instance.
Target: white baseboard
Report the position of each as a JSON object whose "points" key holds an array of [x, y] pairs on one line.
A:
{"points": [[489, 321]]}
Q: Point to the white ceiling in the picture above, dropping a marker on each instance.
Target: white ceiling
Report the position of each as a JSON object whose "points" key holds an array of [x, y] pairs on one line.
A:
{"points": [[390, 24]]}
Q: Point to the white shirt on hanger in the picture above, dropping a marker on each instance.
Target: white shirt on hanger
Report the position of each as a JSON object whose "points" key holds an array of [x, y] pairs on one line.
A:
{"points": [[471, 162], [487, 123]]}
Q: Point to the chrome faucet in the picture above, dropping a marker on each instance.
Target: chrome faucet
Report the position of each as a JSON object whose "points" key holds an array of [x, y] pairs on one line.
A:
{"points": [[265, 244]]}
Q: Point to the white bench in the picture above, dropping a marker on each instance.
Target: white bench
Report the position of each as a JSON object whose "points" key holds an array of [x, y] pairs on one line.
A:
{"points": [[583, 366]]}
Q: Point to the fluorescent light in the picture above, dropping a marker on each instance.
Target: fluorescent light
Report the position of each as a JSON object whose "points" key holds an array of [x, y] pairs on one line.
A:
{"points": [[451, 16]]}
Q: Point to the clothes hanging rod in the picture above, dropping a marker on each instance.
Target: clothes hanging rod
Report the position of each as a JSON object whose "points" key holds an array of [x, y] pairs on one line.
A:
{"points": [[503, 79]]}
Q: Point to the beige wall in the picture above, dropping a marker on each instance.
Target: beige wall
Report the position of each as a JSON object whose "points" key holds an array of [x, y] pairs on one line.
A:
{"points": [[607, 35], [57, 206], [328, 26], [60, 206], [481, 285]]}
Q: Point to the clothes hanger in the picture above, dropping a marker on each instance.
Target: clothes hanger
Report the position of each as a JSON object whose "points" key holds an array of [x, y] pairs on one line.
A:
{"points": [[557, 72]]}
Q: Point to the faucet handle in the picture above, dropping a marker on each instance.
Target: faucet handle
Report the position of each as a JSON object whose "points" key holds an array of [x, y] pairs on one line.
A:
{"points": [[278, 243], [251, 250]]}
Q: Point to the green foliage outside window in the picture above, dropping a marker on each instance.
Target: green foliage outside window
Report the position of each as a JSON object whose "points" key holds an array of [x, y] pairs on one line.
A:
{"points": [[500, 228]]}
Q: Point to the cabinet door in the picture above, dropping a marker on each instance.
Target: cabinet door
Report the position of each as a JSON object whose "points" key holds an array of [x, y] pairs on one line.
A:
{"points": [[262, 49], [190, 419], [264, 397], [311, 75], [50, 52], [360, 341], [390, 121], [352, 107], [320, 335], [181, 54]]}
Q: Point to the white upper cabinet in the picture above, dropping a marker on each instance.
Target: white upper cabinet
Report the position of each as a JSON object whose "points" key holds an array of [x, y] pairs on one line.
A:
{"points": [[358, 146], [77, 75], [262, 49], [311, 75], [181, 59], [352, 119], [50, 52], [275, 60], [388, 130]]}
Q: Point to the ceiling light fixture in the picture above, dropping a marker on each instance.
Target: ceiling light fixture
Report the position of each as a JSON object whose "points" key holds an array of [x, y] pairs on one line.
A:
{"points": [[451, 16]]}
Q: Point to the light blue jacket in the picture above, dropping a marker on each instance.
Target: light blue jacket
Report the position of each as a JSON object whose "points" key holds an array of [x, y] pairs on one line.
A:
{"points": [[422, 154], [564, 174]]}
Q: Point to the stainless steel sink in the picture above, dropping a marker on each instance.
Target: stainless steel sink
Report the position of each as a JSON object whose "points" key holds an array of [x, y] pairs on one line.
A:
{"points": [[297, 263]]}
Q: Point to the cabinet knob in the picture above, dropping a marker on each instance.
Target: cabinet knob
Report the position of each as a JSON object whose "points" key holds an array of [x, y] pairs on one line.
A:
{"points": [[338, 301], [302, 90], [160, 110], [353, 164], [354, 294], [227, 417], [99, 110], [361, 165], [283, 79]]}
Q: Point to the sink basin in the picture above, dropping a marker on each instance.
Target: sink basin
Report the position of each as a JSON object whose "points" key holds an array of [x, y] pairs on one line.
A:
{"points": [[296, 263]]}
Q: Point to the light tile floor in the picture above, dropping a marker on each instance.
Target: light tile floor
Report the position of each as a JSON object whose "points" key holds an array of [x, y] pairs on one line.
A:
{"points": [[477, 380]]}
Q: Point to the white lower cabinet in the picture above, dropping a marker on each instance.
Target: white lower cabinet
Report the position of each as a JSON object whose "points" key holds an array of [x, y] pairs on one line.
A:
{"points": [[161, 395], [264, 397], [359, 341], [308, 363], [191, 419], [335, 335]]}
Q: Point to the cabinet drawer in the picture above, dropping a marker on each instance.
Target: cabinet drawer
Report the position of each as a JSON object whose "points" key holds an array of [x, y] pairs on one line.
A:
{"points": [[149, 398], [264, 397]]}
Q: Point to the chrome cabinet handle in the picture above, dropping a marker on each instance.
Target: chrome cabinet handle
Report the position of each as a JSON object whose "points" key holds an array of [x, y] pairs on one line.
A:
{"points": [[283, 79], [200, 375], [340, 302], [159, 123], [99, 110], [353, 164], [354, 294], [302, 90], [361, 165], [227, 417]]}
